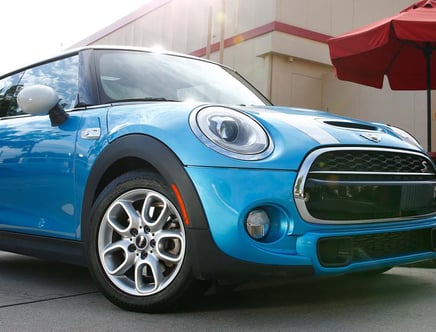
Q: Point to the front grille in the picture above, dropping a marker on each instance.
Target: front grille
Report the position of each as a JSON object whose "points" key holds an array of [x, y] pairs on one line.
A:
{"points": [[342, 251], [361, 185]]}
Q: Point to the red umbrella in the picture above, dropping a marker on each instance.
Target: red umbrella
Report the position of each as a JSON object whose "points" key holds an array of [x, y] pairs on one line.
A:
{"points": [[400, 47]]}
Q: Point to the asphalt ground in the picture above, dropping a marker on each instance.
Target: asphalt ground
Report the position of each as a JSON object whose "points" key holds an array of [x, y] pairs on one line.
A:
{"points": [[38, 295]]}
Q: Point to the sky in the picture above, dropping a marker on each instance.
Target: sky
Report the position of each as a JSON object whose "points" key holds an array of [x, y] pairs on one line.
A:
{"points": [[33, 30]]}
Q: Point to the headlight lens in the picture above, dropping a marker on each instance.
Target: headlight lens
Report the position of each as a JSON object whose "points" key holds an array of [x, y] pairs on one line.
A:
{"points": [[405, 136], [231, 133]]}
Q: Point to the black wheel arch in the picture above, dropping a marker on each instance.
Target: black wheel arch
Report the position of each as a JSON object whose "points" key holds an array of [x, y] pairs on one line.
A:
{"points": [[137, 151]]}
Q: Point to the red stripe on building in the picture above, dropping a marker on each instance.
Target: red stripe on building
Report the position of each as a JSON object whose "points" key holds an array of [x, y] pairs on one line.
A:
{"points": [[262, 30]]}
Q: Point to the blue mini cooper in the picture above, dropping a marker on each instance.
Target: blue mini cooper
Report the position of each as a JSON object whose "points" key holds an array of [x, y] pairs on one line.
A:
{"points": [[163, 172]]}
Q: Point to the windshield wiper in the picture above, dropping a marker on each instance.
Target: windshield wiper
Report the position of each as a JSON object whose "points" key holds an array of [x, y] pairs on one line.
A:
{"points": [[143, 99]]}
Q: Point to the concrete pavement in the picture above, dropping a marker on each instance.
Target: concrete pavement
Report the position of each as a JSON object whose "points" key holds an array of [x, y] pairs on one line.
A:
{"points": [[37, 295]]}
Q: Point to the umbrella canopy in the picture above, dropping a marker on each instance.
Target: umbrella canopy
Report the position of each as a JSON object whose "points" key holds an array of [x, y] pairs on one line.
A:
{"points": [[399, 47]]}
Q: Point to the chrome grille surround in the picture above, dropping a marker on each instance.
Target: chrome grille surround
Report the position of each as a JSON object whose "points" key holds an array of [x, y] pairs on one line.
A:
{"points": [[401, 171]]}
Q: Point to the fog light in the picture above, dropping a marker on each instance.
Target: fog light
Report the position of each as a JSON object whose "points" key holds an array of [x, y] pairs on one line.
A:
{"points": [[257, 224]]}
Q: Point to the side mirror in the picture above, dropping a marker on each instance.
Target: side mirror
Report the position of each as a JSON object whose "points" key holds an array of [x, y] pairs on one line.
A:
{"points": [[40, 100]]}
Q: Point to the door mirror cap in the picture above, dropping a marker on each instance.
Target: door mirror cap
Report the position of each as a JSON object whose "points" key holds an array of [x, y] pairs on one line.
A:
{"points": [[37, 99], [41, 100]]}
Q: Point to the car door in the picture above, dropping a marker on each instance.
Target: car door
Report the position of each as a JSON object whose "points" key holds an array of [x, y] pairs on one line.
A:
{"points": [[36, 159]]}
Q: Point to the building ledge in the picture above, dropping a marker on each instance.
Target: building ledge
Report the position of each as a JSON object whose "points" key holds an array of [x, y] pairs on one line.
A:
{"points": [[263, 30]]}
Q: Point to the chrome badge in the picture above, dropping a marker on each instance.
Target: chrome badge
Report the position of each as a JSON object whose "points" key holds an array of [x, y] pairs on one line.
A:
{"points": [[425, 167], [376, 138]]}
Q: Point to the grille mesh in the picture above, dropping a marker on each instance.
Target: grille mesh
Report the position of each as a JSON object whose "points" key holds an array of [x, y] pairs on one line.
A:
{"points": [[371, 161], [340, 251], [385, 245]]}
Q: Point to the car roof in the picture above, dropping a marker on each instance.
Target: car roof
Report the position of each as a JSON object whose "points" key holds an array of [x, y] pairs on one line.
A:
{"points": [[105, 47]]}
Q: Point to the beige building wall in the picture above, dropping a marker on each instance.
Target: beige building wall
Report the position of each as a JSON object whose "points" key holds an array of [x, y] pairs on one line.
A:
{"points": [[279, 46]]}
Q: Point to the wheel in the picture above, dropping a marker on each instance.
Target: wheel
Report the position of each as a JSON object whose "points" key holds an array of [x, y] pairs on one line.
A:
{"points": [[137, 246]]}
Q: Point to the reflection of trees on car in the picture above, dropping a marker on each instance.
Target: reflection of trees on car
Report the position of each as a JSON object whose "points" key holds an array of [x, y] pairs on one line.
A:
{"points": [[10, 86], [61, 75], [8, 101]]}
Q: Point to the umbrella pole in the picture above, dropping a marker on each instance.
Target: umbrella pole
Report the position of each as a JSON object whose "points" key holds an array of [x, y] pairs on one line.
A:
{"points": [[427, 52]]}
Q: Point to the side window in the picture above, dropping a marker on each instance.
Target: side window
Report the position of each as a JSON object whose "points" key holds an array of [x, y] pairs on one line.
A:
{"points": [[61, 75], [9, 89]]}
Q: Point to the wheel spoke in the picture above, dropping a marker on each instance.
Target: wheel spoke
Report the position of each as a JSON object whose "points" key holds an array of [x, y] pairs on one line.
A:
{"points": [[169, 244], [122, 217], [117, 258], [155, 212], [148, 275]]}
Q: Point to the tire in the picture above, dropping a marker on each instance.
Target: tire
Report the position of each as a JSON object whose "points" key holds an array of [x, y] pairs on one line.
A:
{"points": [[137, 246]]}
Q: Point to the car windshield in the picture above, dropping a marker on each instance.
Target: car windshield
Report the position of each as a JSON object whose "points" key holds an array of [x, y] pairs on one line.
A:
{"points": [[148, 76]]}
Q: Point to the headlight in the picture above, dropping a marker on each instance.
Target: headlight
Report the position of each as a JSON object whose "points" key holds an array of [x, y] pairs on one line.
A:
{"points": [[231, 133], [405, 136]]}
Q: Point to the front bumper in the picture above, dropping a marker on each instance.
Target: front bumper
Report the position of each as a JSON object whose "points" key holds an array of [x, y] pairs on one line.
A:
{"points": [[228, 195]]}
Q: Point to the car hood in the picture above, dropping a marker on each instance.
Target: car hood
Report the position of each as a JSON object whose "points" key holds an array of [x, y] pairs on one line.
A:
{"points": [[322, 128], [294, 133]]}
